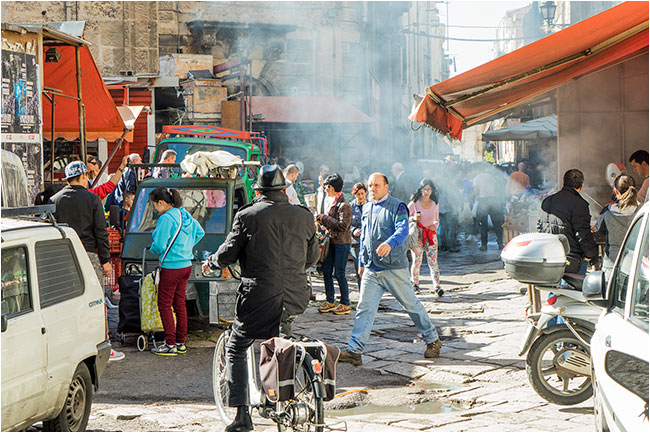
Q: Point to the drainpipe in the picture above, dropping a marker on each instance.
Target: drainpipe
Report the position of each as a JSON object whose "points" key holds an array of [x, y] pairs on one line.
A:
{"points": [[68, 11]]}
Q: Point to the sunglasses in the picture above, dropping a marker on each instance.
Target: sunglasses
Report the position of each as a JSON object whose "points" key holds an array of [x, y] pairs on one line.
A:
{"points": [[92, 162]]}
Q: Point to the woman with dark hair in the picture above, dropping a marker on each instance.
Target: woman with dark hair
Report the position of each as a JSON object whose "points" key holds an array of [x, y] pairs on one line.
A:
{"points": [[336, 219], [423, 209], [617, 217], [360, 192], [175, 235]]}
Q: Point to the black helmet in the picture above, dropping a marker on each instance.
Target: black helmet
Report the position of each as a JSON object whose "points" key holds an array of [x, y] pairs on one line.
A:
{"points": [[270, 178]]}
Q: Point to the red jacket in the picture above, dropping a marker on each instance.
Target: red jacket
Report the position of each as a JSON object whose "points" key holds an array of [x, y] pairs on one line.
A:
{"points": [[103, 190]]}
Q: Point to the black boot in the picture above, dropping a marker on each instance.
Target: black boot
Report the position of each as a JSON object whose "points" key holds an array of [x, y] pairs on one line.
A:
{"points": [[242, 422]]}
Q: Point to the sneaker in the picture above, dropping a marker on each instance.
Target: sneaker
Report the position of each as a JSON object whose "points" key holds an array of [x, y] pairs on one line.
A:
{"points": [[483, 248], [181, 348], [165, 350], [326, 307], [433, 349], [439, 292], [350, 357], [341, 309], [116, 356], [416, 288]]}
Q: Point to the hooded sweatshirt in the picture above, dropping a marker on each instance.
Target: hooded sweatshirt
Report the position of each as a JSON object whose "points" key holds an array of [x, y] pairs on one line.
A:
{"points": [[180, 254], [614, 223]]}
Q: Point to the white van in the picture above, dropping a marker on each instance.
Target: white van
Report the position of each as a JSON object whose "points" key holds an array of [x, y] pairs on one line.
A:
{"points": [[54, 341]]}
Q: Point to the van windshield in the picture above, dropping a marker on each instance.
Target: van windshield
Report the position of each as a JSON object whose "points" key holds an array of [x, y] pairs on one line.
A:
{"points": [[183, 149], [207, 206]]}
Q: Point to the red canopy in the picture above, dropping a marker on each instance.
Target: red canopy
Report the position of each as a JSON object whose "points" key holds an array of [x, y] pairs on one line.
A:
{"points": [[606, 39], [102, 118]]}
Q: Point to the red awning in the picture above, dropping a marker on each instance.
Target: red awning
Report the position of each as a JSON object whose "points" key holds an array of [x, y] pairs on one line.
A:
{"points": [[604, 40], [102, 118], [307, 109]]}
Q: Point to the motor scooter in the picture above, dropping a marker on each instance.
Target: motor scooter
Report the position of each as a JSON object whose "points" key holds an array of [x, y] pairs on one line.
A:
{"points": [[556, 341]]}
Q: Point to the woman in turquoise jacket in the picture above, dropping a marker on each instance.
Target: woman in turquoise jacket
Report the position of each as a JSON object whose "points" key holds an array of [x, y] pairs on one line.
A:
{"points": [[177, 228]]}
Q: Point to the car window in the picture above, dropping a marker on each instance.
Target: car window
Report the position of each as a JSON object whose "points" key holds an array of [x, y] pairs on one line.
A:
{"points": [[207, 206], [59, 276], [621, 273], [639, 307], [16, 293]]}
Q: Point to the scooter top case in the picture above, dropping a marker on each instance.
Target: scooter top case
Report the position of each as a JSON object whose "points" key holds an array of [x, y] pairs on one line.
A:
{"points": [[536, 258]]}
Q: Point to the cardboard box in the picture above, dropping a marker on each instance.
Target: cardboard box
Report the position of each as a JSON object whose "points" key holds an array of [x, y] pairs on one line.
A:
{"points": [[204, 96], [178, 65]]}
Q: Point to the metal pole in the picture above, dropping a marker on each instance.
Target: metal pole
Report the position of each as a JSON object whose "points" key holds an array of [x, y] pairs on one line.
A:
{"points": [[52, 144], [242, 97], [118, 143], [82, 122]]}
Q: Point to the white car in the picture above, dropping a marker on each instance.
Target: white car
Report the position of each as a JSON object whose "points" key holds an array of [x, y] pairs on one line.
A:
{"points": [[54, 340], [620, 347]]}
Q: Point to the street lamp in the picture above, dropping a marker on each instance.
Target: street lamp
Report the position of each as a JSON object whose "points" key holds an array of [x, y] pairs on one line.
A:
{"points": [[547, 10]]}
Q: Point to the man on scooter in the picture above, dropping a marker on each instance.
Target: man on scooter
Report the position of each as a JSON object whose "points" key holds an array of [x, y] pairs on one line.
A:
{"points": [[567, 213], [274, 242]]}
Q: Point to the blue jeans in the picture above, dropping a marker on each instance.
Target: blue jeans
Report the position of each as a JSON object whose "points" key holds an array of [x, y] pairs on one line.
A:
{"points": [[373, 285], [335, 262]]}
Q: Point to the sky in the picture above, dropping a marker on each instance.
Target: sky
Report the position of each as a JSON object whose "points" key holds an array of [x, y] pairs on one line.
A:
{"points": [[474, 13]]}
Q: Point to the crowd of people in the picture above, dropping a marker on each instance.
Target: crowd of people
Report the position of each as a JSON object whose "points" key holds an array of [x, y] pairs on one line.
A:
{"points": [[276, 239]]}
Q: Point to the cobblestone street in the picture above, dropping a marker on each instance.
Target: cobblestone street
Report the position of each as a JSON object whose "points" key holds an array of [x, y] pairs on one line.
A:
{"points": [[478, 383]]}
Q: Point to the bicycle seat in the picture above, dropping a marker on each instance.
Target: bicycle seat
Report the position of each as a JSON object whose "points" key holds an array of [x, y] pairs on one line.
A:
{"points": [[574, 280]]}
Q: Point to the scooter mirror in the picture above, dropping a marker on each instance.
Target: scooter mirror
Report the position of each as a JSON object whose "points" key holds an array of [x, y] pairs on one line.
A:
{"points": [[594, 286]]}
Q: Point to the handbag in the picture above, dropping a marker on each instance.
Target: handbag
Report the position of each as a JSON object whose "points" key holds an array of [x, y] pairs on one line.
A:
{"points": [[413, 237], [149, 315], [324, 248]]}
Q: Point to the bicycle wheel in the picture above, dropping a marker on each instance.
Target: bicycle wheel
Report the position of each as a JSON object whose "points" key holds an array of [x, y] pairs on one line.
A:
{"points": [[306, 409], [219, 382]]}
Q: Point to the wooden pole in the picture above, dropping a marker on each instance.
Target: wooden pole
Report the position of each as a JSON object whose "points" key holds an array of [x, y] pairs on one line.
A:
{"points": [[82, 121]]}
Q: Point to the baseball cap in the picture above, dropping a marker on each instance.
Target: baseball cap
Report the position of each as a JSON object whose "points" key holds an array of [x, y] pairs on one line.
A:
{"points": [[74, 169]]}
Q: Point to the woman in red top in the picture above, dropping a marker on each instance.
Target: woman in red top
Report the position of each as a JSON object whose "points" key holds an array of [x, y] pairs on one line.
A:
{"points": [[423, 208], [104, 189]]}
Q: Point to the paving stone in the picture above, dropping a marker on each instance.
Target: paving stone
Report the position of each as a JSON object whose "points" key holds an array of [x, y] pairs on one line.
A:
{"points": [[406, 369]]}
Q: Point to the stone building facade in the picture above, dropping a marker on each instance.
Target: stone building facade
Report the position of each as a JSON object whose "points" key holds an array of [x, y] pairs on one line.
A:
{"points": [[357, 51]]}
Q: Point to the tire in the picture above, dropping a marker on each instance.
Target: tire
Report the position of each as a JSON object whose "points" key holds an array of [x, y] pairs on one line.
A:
{"points": [[219, 382], [600, 423], [76, 409], [305, 397], [544, 376]]}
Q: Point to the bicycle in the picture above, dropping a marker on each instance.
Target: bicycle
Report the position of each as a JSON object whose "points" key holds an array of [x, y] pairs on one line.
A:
{"points": [[303, 412]]}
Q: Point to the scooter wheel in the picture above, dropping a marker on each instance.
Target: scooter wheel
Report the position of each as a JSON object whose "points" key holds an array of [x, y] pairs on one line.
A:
{"points": [[552, 382]]}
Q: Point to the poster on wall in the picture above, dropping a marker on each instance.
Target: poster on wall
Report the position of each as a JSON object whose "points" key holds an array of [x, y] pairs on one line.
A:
{"points": [[21, 110]]}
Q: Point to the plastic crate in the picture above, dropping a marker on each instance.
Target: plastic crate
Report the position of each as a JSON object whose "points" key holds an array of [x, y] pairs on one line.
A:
{"points": [[116, 264], [114, 244]]}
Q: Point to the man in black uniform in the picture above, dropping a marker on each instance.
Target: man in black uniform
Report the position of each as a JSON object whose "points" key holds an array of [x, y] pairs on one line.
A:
{"points": [[275, 242], [566, 212]]}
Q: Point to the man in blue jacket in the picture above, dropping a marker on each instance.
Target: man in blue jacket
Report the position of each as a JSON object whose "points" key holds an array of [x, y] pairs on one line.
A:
{"points": [[383, 266]]}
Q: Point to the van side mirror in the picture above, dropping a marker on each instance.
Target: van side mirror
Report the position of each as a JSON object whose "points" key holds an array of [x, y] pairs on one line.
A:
{"points": [[114, 216], [4, 323], [594, 287]]}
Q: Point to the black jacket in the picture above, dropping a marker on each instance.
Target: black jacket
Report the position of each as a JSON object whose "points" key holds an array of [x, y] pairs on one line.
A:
{"points": [[82, 210], [567, 212], [275, 242]]}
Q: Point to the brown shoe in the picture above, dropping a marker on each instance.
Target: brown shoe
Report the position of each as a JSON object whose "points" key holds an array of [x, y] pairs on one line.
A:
{"points": [[341, 309], [433, 349], [326, 307], [350, 357]]}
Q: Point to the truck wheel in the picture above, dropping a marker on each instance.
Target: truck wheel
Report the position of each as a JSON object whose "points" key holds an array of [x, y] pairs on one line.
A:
{"points": [[76, 409]]}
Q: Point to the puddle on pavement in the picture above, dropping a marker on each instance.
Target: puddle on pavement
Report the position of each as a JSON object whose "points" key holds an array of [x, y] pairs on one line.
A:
{"points": [[429, 407]]}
